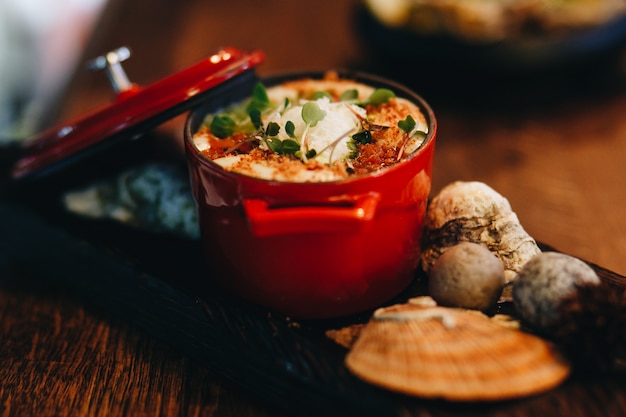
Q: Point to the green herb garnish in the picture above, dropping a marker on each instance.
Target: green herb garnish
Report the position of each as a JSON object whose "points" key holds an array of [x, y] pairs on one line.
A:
{"points": [[290, 128], [255, 118], [379, 96], [363, 137], [248, 117], [311, 113], [283, 147], [407, 125], [260, 100], [322, 94], [290, 147], [223, 126], [274, 144], [272, 129], [349, 95]]}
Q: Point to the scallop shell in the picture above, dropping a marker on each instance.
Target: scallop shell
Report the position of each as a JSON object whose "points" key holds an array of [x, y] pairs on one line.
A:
{"points": [[438, 352]]}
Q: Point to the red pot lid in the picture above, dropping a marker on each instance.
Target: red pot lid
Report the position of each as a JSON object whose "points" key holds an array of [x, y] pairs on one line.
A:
{"points": [[134, 110]]}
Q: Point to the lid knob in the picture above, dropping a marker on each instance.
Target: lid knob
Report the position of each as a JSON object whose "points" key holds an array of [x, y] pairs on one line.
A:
{"points": [[111, 63]]}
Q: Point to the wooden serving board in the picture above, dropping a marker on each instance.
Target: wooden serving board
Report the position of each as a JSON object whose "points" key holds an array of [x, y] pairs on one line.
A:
{"points": [[162, 285]]}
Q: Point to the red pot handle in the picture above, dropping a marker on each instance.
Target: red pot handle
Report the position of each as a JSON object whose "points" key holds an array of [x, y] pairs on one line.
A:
{"points": [[342, 214]]}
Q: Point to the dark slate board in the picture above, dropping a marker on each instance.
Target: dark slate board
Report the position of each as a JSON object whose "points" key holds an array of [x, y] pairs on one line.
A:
{"points": [[161, 285]]}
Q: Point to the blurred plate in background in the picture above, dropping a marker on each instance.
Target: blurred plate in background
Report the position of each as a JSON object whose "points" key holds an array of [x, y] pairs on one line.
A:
{"points": [[505, 74], [529, 52]]}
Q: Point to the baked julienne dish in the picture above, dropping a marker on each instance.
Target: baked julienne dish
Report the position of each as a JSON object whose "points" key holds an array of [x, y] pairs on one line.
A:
{"points": [[313, 130]]}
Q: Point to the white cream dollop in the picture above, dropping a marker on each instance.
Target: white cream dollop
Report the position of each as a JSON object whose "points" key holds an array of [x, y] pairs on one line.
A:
{"points": [[329, 137]]}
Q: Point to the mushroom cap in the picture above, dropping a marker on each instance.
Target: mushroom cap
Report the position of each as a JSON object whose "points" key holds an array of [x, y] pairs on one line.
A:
{"points": [[466, 200], [467, 275], [544, 281]]}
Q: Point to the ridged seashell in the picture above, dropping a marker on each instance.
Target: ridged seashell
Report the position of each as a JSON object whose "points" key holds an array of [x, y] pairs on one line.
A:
{"points": [[474, 212], [438, 352]]}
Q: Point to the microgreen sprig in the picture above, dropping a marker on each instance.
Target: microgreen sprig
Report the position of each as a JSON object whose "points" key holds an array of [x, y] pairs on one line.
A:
{"points": [[234, 119], [349, 95], [260, 100], [223, 126], [363, 137], [322, 94], [311, 115], [378, 96], [290, 129], [408, 127], [280, 147]]}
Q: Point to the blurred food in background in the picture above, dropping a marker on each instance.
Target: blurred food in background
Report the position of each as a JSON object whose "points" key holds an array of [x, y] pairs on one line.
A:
{"points": [[495, 20], [516, 47]]}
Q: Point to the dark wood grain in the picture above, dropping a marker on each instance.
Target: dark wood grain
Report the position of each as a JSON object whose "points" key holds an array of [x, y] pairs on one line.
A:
{"points": [[76, 338], [61, 356]]}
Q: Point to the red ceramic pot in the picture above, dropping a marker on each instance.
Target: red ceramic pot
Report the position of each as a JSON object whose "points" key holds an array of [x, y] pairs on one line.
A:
{"points": [[313, 250]]}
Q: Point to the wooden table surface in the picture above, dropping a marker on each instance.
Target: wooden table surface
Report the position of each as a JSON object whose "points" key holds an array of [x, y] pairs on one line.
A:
{"points": [[553, 144]]}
